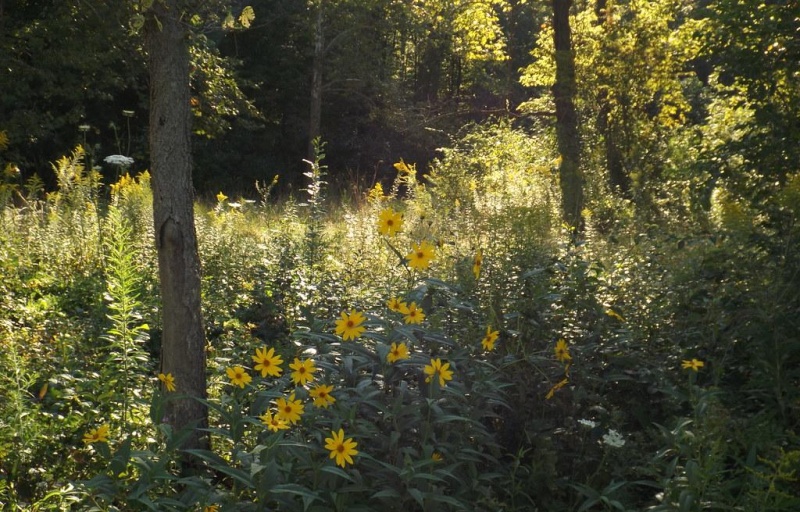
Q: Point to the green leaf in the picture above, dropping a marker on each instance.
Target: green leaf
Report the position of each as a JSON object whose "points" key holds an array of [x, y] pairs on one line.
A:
{"points": [[338, 472], [247, 16], [121, 458], [418, 497], [216, 462]]}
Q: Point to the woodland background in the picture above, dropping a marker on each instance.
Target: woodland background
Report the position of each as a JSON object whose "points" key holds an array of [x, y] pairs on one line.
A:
{"points": [[312, 118]]}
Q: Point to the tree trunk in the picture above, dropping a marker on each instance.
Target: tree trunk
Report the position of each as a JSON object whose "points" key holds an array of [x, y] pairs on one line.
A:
{"points": [[618, 179], [183, 342], [566, 118], [315, 117]]}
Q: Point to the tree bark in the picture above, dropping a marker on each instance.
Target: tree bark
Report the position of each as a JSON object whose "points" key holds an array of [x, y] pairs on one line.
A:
{"points": [[183, 342], [569, 146], [617, 177]]}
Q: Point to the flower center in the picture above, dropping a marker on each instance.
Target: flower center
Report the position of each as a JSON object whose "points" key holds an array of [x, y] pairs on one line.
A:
{"points": [[421, 255], [350, 324], [340, 448]]}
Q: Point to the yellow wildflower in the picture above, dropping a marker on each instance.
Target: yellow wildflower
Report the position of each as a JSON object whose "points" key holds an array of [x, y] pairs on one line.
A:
{"points": [[477, 264], [303, 371], [98, 435], [490, 339], [238, 376], [421, 255], [396, 305], [341, 449], [168, 379], [390, 222], [273, 421], [322, 395], [694, 364], [436, 368], [267, 362], [290, 409], [414, 315], [349, 325], [397, 352], [562, 351]]}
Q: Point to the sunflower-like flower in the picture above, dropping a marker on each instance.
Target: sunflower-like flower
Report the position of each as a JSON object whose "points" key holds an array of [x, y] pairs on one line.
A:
{"points": [[421, 255], [437, 369], [693, 364], [273, 421], [414, 315], [477, 264], [268, 362], [238, 376], [390, 222], [562, 351], [168, 380], [396, 305], [303, 371], [322, 395], [397, 352], [349, 325], [341, 449], [490, 339], [97, 435], [289, 409]]}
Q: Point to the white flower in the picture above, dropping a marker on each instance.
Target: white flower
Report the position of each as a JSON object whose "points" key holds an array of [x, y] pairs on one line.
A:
{"points": [[587, 423], [613, 439], [122, 161]]}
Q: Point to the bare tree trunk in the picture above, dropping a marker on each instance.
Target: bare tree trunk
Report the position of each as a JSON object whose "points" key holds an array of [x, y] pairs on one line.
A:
{"points": [[183, 343], [566, 118], [315, 117], [617, 177]]}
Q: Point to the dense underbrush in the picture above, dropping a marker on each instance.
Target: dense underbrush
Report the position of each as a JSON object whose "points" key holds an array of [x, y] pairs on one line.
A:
{"points": [[468, 355]]}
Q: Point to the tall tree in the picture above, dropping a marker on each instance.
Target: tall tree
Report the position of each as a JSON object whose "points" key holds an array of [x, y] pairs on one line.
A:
{"points": [[183, 343], [567, 134]]}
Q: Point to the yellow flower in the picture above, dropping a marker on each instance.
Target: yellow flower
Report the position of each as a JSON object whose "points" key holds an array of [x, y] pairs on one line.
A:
{"points": [[322, 395], [396, 305], [273, 422], [349, 326], [477, 264], [556, 388], [267, 362], [694, 364], [168, 380], [562, 351], [436, 368], [211, 508], [303, 371], [289, 410], [421, 255], [490, 339], [221, 198], [397, 352], [238, 376], [436, 457], [390, 222], [341, 449], [98, 435], [414, 315]]}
